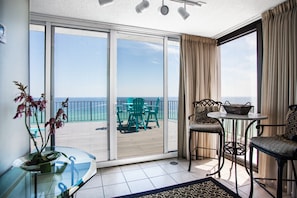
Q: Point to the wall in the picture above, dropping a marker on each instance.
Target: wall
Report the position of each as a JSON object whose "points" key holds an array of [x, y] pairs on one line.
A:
{"points": [[14, 65]]}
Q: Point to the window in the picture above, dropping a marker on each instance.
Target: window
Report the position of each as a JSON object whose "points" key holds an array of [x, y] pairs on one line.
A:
{"points": [[241, 63], [239, 70]]}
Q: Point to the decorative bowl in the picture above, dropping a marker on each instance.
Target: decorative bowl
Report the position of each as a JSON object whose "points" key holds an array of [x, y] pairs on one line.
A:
{"points": [[239, 109]]}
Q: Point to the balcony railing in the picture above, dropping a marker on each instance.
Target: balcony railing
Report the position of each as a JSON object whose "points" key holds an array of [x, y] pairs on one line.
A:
{"points": [[91, 110]]}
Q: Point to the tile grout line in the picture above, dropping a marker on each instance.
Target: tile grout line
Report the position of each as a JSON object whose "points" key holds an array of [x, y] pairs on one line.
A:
{"points": [[122, 171], [102, 185]]}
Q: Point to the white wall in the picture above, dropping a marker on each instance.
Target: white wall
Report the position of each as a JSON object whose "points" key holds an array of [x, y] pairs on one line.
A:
{"points": [[14, 65]]}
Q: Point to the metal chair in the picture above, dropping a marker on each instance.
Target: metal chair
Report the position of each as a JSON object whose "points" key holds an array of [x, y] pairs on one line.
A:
{"points": [[152, 113], [136, 114], [201, 123], [281, 147]]}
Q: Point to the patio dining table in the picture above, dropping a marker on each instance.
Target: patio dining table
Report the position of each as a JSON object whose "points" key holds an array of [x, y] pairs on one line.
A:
{"points": [[130, 104]]}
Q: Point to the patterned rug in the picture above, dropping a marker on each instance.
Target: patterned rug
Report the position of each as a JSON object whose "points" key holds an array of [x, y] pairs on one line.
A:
{"points": [[203, 188]]}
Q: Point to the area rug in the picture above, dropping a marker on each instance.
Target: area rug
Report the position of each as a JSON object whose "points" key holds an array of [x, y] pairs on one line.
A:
{"points": [[203, 188]]}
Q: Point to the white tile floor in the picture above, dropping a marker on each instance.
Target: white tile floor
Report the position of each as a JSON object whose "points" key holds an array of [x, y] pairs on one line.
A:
{"points": [[122, 180]]}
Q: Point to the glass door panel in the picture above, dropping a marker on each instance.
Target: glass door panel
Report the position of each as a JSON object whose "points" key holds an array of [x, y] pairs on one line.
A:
{"points": [[80, 73], [139, 75], [37, 57], [173, 87]]}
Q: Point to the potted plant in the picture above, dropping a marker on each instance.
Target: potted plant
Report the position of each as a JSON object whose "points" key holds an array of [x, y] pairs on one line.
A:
{"points": [[29, 107]]}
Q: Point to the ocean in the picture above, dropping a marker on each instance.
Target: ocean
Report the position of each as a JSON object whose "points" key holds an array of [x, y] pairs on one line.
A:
{"points": [[95, 109]]}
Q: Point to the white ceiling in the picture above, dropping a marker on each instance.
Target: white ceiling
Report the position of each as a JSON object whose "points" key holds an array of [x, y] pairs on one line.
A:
{"points": [[213, 19]]}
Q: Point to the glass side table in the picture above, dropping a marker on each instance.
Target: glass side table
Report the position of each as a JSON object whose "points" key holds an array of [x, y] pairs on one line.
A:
{"points": [[65, 176]]}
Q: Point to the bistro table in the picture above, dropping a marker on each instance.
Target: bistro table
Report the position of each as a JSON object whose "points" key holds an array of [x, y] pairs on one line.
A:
{"points": [[236, 148], [66, 176]]}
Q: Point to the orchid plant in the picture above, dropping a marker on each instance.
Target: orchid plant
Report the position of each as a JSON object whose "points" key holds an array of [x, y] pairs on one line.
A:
{"points": [[28, 107]]}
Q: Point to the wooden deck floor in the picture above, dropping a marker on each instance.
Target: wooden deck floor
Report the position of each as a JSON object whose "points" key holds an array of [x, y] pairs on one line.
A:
{"points": [[92, 137]]}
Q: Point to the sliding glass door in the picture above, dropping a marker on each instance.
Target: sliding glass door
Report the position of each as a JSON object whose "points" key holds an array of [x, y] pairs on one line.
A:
{"points": [[97, 70], [80, 73], [139, 75]]}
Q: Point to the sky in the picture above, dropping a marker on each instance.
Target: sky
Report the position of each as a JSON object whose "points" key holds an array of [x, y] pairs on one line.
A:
{"points": [[80, 64], [239, 67]]}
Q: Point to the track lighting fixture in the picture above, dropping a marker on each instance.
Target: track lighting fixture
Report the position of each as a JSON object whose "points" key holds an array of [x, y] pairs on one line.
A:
{"points": [[183, 12], [164, 9], [140, 7], [105, 2]]}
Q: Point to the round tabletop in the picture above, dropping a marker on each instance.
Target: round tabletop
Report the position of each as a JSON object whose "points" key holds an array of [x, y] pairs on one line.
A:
{"points": [[69, 173], [250, 116]]}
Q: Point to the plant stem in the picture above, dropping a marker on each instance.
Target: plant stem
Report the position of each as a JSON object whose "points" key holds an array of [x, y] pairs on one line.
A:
{"points": [[41, 136], [32, 137], [48, 137]]}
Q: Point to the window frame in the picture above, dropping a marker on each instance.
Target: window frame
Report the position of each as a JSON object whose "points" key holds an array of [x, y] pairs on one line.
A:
{"points": [[253, 27]]}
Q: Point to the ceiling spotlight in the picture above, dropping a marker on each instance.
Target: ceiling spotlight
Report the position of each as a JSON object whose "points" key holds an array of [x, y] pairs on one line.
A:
{"points": [[183, 12], [140, 7], [164, 9], [105, 2]]}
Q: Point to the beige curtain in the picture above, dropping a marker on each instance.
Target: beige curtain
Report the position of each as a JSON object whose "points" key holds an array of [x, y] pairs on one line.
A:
{"points": [[279, 80], [199, 79]]}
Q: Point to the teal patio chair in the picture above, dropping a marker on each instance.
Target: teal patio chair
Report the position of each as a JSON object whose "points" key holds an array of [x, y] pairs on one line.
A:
{"points": [[152, 113], [130, 100], [119, 119], [129, 103], [136, 115]]}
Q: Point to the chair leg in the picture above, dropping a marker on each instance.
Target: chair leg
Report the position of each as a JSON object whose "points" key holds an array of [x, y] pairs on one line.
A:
{"points": [[142, 123], [190, 152], [251, 172], [130, 121], [157, 120], [279, 177], [120, 122], [295, 176], [148, 118], [222, 149], [136, 123], [196, 145], [220, 154]]}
